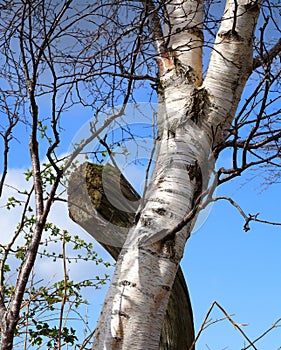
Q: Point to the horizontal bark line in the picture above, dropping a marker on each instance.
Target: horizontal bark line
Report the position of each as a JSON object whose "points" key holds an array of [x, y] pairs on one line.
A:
{"points": [[177, 331]]}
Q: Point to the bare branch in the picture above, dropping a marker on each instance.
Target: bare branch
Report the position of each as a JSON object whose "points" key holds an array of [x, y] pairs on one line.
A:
{"points": [[268, 57], [248, 218], [227, 316], [274, 325], [7, 137]]}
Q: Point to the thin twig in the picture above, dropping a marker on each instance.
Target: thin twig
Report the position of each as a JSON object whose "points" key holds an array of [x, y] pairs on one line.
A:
{"points": [[64, 297], [236, 325], [247, 218], [275, 324]]}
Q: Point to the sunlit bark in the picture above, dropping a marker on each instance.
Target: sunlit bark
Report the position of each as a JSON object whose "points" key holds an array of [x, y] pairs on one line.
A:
{"points": [[192, 121], [89, 207], [60, 59]]}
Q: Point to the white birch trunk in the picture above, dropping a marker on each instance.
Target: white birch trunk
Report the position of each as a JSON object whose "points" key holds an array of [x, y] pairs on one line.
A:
{"points": [[195, 117]]}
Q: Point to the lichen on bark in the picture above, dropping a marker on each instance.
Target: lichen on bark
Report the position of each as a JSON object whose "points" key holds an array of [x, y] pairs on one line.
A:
{"points": [[86, 200]]}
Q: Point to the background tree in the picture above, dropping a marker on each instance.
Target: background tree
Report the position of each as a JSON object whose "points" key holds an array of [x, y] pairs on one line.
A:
{"points": [[89, 57]]}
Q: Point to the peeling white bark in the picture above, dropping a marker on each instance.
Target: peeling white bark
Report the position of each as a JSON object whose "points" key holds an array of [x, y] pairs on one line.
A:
{"points": [[146, 269], [184, 34], [230, 64], [194, 120]]}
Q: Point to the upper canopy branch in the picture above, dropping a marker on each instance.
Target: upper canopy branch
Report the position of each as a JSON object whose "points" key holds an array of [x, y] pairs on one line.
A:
{"points": [[180, 45], [230, 65], [155, 26], [184, 34], [268, 56]]}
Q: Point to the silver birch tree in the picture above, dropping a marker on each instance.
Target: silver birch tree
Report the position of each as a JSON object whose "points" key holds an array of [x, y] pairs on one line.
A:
{"points": [[59, 58], [194, 118]]}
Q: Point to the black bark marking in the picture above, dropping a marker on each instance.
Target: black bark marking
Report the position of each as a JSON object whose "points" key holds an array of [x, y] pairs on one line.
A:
{"points": [[126, 283], [171, 134], [230, 35], [160, 211], [161, 180], [184, 71], [146, 221], [117, 339], [124, 314], [137, 217], [167, 288], [196, 110], [194, 173]]}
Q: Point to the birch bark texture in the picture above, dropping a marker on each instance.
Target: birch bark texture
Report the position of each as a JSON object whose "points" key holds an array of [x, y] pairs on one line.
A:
{"points": [[193, 118], [89, 207]]}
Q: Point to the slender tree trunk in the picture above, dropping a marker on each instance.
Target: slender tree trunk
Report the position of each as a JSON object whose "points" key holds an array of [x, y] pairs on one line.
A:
{"points": [[195, 118], [8, 325]]}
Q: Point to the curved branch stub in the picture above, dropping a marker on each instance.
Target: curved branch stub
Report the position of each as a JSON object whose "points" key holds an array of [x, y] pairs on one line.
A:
{"points": [[89, 208]]}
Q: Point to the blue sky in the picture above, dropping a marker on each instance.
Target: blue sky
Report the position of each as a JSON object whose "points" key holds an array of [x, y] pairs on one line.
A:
{"points": [[240, 270]]}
